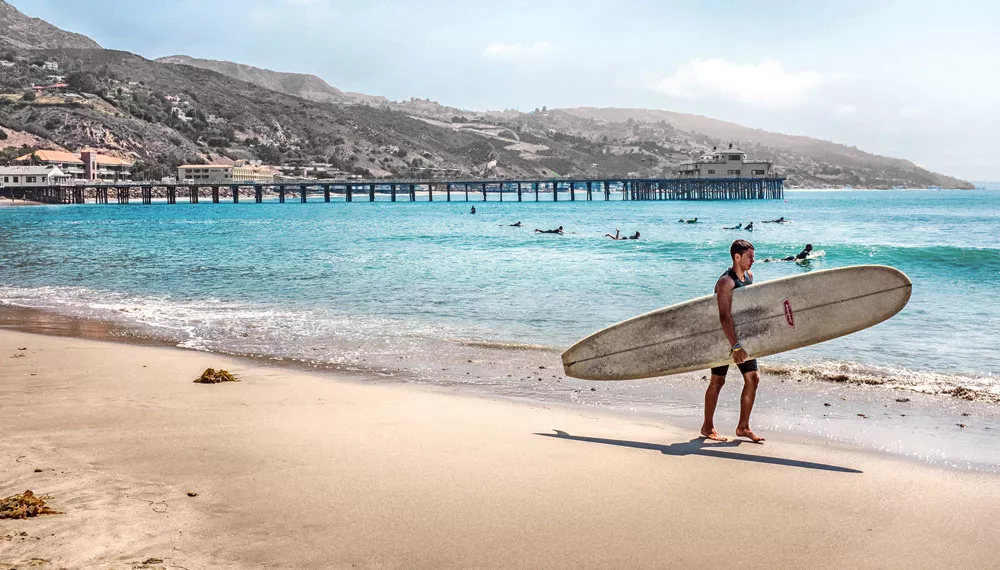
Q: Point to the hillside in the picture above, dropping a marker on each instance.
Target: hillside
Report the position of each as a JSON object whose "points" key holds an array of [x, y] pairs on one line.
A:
{"points": [[298, 84], [179, 109], [20, 31], [805, 161], [678, 136], [141, 108]]}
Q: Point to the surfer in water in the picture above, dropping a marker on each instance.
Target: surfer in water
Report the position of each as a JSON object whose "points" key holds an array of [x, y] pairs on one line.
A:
{"points": [[515, 225], [473, 210], [749, 227], [618, 235], [558, 230], [801, 257], [738, 226], [739, 275]]}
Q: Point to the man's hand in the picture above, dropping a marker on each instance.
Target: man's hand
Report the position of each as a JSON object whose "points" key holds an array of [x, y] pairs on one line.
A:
{"points": [[739, 356]]}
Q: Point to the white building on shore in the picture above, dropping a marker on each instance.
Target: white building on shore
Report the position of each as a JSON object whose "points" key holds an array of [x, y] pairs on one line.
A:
{"points": [[32, 176], [726, 163]]}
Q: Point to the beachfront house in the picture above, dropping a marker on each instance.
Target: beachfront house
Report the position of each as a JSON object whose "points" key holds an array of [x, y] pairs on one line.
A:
{"points": [[725, 163], [32, 176], [85, 165], [209, 174]]}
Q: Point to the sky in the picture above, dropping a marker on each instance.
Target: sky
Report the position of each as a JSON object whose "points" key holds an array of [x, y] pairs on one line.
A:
{"points": [[915, 80]]}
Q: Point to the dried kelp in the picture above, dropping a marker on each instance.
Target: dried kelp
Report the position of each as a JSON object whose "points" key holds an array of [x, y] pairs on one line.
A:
{"points": [[25, 505], [213, 376]]}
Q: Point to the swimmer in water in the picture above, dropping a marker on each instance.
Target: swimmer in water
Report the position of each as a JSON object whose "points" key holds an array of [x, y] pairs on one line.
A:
{"points": [[558, 230]]}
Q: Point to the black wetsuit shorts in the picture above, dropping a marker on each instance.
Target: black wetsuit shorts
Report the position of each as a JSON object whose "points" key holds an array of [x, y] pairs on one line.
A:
{"points": [[747, 366]]}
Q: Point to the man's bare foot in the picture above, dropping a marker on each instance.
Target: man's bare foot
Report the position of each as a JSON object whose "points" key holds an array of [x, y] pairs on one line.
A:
{"points": [[713, 435], [746, 432]]}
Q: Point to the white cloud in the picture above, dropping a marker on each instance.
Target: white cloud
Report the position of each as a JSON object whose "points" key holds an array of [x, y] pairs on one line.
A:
{"points": [[517, 51], [311, 12], [844, 110], [910, 111], [765, 84]]}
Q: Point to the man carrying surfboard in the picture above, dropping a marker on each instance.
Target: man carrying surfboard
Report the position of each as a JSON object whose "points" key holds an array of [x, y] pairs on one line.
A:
{"points": [[739, 275]]}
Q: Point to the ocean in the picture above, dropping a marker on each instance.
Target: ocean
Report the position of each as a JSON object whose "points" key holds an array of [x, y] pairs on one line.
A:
{"points": [[429, 293]]}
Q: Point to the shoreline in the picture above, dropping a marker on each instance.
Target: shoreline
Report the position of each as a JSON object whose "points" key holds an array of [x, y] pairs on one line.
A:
{"points": [[932, 429], [394, 476]]}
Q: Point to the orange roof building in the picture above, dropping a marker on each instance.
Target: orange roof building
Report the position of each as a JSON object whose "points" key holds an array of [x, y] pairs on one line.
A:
{"points": [[87, 164], [51, 156]]}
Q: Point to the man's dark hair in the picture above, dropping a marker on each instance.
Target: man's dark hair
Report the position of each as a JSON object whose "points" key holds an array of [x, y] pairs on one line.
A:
{"points": [[739, 246]]}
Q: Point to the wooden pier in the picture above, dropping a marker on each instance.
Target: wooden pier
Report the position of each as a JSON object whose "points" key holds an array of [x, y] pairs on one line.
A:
{"points": [[407, 190]]}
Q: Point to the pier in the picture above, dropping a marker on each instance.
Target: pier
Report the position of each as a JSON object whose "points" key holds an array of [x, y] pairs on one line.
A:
{"points": [[554, 190]]}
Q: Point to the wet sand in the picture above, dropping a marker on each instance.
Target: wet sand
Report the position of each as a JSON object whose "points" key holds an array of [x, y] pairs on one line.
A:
{"points": [[294, 469]]}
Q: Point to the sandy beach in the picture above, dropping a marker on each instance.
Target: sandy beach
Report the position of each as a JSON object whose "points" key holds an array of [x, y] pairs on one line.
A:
{"points": [[294, 469], [8, 202]]}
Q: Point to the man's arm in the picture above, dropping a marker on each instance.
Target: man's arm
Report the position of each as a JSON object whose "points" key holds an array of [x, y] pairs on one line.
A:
{"points": [[724, 297]]}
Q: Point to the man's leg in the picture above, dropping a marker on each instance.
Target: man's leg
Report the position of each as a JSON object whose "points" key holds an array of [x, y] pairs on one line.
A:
{"points": [[750, 380], [711, 400]]}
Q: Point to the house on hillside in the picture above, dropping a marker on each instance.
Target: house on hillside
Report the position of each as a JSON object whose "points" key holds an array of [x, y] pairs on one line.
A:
{"points": [[50, 66], [55, 87], [5, 63], [87, 164], [32, 176], [726, 163], [180, 114]]}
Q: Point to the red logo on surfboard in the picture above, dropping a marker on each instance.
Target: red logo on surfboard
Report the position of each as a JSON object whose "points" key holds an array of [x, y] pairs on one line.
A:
{"points": [[789, 315]]}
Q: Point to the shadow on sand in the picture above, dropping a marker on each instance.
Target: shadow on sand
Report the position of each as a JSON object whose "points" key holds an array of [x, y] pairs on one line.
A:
{"points": [[698, 446]]}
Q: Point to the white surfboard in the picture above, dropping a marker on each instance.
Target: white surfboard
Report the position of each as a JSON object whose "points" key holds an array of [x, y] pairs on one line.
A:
{"points": [[770, 317]]}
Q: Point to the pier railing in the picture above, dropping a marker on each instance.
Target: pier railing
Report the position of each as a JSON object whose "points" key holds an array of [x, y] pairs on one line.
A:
{"points": [[408, 190]]}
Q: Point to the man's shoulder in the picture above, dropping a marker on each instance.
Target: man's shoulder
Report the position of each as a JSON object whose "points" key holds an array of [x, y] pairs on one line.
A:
{"points": [[725, 282]]}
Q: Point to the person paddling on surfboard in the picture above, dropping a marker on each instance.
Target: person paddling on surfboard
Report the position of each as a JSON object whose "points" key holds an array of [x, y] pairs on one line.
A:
{"points": [[739, 275], [804, 254]]}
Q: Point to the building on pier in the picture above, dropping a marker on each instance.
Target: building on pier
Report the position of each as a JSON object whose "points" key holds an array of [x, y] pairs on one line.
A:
{"points": [[726, 163], [33, 176]]}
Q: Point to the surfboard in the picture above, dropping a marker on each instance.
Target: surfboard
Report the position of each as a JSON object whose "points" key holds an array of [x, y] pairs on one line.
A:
{"points": [[770, 317]]}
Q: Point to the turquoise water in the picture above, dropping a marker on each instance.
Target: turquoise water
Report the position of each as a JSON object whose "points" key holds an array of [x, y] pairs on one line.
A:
{"points": [[386, 284]]}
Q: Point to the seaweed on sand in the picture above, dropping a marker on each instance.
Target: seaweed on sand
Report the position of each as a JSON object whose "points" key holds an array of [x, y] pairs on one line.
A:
{"points": [[25, 505], [213, 376]]}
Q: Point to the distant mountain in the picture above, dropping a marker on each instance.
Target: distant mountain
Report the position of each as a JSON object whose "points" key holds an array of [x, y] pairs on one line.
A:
{"points": [[298, 84], [806, 161], [20, 31]]}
